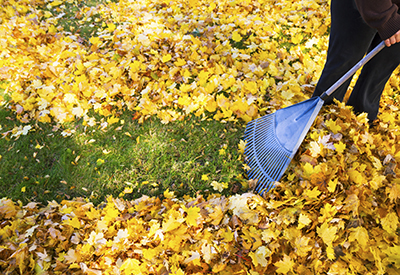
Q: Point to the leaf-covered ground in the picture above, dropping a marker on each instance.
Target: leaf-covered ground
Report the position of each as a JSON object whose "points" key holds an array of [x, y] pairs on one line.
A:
{"points": [[335, 211]]}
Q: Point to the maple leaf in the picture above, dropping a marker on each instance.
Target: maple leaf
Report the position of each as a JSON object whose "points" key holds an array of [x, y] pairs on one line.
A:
{"points": [[74, 222], [131, 266], [172, 221], [242, 146], [303, 221], [390, 222], [193, 214], [219, 186], [303, 246], [332, 125], [236, 36], [238, 204], [260, 256], [285, 265], [359, 234], [327, 233], [7, 208]]}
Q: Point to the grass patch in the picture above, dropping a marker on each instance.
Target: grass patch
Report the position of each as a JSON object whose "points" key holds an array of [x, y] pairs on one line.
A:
{"points": [[77, 17], [149, 158]]}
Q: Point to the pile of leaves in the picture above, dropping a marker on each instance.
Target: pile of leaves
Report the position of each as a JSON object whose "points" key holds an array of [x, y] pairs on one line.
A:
{"points": [[335, 211]]}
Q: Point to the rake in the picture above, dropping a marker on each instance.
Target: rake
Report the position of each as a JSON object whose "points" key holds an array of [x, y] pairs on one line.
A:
{"points": [[273, 140]]}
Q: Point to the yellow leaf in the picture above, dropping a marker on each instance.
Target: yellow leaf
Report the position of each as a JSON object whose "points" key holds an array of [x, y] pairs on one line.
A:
{"points": [[56, 3], [378, 261], [303, 245], [111, 212], [169, 194], [390, 222], [330, 252], [212, 6], [7, 208], [211, 106], [150, 253], [308, 169], [204, 177], [217, 215], [112, 120], [111, 27], [93, 213], [356, 176], [131, 266], [332, 185], [208, 252], [304, 220], [393, 256], [23, 189], [297, 38], [180, 62], [227, 235], [359, 234], [74, 222], [315, 149], [313, 193], [172, 221], [287, 94], [193, 213], [194, 258], [72, 256], [236, 36], [340, 147], [166, 58], [333, 126], [240, 207], [218, 268], [351, 204], [95, 41], [260, 256], [269, 234], [219, 186], [285, 265], [376, 162], [242, 146], [327, 233]]}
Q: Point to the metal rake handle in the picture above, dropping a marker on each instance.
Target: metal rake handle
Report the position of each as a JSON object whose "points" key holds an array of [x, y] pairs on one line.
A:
{"points": [[353, 70]]}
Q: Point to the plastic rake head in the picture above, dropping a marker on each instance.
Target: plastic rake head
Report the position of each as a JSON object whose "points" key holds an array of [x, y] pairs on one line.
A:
{"points": [[265, 156], [273, 140]]}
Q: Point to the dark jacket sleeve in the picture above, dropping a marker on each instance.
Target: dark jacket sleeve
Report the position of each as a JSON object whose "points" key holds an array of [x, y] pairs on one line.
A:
{"points": [[380, 14]]}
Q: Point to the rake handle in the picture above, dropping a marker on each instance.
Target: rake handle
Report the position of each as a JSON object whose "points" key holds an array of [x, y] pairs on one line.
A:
{"points": [[352, 71]]}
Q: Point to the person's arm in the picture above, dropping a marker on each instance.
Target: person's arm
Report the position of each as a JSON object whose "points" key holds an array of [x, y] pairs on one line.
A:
{"points": [[383, 16]]}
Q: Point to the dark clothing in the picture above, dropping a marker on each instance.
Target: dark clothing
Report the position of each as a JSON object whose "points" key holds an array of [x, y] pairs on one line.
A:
{"points": [[352, 36], [381, 15]]}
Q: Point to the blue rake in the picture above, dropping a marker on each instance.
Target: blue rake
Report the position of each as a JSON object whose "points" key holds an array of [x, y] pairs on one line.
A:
{"points": [[273, 140]]}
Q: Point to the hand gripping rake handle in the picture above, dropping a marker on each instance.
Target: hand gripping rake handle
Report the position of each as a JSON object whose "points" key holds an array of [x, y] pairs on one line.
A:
{"points": [[352, 71]]}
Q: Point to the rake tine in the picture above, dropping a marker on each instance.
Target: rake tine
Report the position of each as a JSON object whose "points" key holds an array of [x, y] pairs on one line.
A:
{"points": [[280, 162], [264, 187]]}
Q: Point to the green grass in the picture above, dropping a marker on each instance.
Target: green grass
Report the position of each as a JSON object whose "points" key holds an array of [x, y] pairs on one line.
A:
{"points": [[73, 19], [92, 163]]}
